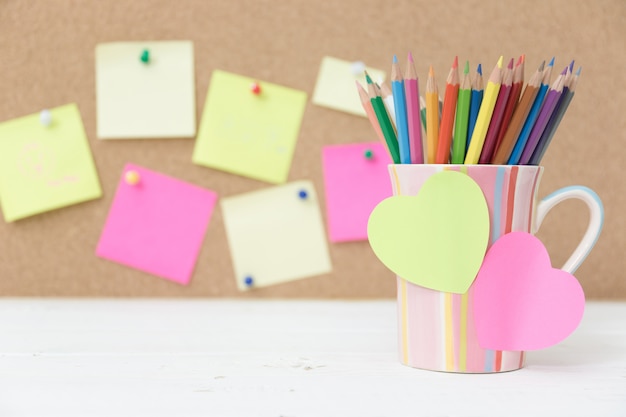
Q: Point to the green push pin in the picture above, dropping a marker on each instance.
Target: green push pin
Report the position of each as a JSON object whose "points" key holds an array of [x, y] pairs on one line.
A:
{"points": [[145, 56], [368, 154]]}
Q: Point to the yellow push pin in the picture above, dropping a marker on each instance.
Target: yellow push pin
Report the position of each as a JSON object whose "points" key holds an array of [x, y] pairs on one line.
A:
{"points": [[132, 177]]}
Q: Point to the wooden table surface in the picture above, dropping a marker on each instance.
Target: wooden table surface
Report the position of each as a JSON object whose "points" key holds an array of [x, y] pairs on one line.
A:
{"points": [[112, 357]]}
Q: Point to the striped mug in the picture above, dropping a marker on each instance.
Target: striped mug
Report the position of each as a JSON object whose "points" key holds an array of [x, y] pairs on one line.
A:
{"points": [[436, 329]]}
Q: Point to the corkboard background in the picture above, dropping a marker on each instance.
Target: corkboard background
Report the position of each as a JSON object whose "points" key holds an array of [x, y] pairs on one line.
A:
{"points": [[47, 59]]}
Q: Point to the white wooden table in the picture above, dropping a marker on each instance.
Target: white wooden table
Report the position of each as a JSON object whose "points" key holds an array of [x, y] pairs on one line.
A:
{"points": [[278, 358]]}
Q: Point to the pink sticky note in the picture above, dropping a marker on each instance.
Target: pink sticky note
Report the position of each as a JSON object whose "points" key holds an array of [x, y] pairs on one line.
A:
{"points": [[354, 185], [520, 301], [156, 225]]}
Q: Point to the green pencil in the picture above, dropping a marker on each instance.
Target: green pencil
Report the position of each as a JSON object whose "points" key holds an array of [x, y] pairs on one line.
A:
{"points": [[383, 119], [462, 118]]}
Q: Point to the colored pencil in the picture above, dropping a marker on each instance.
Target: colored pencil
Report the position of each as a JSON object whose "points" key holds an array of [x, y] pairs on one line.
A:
{"points": [[399, 101], [383, 120], [552, 99], [516, 91], [462, 118], [432, 116], [413, 114], [555, 119], [390, 105], [498, 112], [520, 143], [484, 114], [447, 115], [519, 115], [369, 111], [475, 102]]}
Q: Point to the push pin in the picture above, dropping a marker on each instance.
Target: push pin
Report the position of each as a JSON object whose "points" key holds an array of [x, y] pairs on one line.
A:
{"points": [[45, 118], [132, 177], [357, 68], [255, 88], [303, 194], [368, 154], [249, 281], [145, 56]]}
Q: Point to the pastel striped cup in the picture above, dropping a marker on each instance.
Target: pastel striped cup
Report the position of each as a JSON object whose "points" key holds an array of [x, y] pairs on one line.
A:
{"points": [[436, 330]]}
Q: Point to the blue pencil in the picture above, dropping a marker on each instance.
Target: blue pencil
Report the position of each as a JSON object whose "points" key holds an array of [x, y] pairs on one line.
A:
{"points": [[475, 102], [520, 143], [399, 102]]}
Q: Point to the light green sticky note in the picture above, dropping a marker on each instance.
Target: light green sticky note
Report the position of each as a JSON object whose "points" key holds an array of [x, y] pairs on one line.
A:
{"points": [[436, 239], [275, 235], [249, 134], [43, 168], [152, 99], [335, 87]]}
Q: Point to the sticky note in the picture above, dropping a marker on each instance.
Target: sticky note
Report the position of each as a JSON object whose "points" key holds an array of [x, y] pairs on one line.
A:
{"points": [[520, 301], [153, 99], [156, 224], [43, 168], [355, 181], [275, 235], [436, 239], [335, 86], [248, 134]]}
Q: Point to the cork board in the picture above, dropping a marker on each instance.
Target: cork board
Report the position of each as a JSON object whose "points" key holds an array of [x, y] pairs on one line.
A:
{"points": [[47, 59]]}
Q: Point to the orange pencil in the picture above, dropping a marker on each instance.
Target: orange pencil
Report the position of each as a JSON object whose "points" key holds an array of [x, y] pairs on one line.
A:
{"points": [[432, 116], [447, 115]]}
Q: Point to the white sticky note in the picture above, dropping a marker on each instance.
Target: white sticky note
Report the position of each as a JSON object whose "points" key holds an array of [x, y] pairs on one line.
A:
{"points": [[154, 99], [275, 235], [335, 87]]}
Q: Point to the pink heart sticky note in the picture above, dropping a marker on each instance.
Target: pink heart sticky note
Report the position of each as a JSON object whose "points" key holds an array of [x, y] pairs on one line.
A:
{"points": [[520, 301]]}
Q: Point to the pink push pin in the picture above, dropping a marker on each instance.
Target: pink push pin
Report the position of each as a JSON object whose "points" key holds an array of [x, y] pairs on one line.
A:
{"points": [[255, 88]]}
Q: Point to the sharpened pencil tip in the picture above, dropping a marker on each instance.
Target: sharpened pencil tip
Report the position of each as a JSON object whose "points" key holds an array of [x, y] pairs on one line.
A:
{"points": [[431, 71], [455, 64], [571, 66], [551, 64], [579, 70], [368, 78], [510, 66], [521, 59], [395, 59], [466, 69], [500, 61], [410, 58], [479, 69], [565, 70], [542, 66]]}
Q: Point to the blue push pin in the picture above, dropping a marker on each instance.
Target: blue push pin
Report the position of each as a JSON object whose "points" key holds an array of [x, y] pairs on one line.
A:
{"points": [[249, 281], [303, 194]]}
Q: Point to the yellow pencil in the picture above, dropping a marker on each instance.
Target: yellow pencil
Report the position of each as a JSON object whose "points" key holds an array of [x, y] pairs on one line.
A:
{"points": [[484, 114], [432, 116]]}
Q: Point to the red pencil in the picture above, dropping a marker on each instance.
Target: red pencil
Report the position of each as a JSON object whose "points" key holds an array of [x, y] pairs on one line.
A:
{"points": [[516, 91], [447, 114], [496, 117]]}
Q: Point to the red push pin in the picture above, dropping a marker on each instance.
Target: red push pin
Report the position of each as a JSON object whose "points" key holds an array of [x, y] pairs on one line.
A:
{"points": [[255, 88]]}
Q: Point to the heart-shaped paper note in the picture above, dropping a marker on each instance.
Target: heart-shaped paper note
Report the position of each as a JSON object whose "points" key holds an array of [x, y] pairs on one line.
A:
{"points": [[520, 301], [436, 239]]}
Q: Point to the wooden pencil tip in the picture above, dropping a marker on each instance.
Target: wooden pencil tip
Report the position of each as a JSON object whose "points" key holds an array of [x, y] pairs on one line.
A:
{"points": [[551, 64], [410, 58], [521, 59], [571, 66], [395, 59], [542, 66], [466, 69], [565, 70], [579, 70], [431, 72], [510, 66], [455, 64], [479, 69], [500, 61], [368, 78]]}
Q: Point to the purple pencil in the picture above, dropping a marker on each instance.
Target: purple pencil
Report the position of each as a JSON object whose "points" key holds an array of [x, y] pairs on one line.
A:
{"points": [[496, 118], [552, 99]]}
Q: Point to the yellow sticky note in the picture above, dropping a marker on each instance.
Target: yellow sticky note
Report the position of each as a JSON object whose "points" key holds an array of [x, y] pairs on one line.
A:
{"points": [[335, 87], [43, 168], [276, 235], [149, 98], [249, 134]]}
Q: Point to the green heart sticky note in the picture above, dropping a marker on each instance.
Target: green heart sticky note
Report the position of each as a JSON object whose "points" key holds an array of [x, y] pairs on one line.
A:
{"points": [[436, 239]]}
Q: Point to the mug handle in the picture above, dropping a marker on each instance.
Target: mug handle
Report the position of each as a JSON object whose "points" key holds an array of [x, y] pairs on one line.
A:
{"points": [[596, 220]]}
